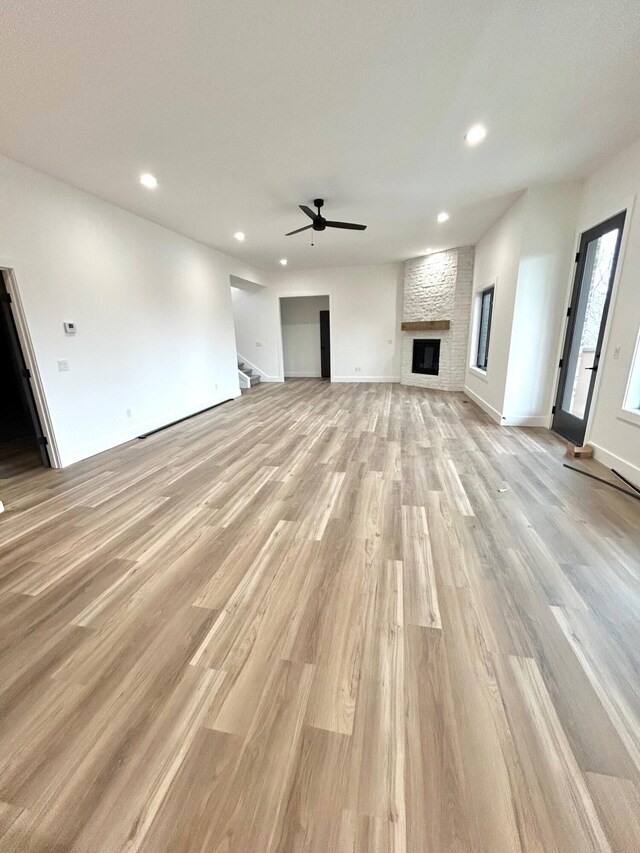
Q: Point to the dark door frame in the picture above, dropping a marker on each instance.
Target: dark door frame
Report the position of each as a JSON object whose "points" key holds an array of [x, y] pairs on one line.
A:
{"points": [[325, 343], [25, 363], [565, 424]]}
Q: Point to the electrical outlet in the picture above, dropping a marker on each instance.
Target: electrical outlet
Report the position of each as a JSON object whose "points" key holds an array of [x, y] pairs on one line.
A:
{"points": [[616, 352], [258, 344], [216, 386], [357, 369], [129, 413], [390, 341], [63, 365]]}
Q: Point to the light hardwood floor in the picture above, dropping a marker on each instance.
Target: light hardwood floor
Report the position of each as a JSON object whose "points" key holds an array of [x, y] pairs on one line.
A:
{"points": [[321, 618]]}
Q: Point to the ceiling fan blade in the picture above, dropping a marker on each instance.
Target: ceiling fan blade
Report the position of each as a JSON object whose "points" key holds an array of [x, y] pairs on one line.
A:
{"points": [[298, 230], [308, 211], [350, 225]]}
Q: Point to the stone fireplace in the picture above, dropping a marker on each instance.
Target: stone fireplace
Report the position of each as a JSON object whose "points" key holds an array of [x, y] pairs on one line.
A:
{"points": [[436, 309]]}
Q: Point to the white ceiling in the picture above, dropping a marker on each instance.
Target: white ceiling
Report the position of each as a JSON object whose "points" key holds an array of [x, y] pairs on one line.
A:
{"points": [[245, 109]]}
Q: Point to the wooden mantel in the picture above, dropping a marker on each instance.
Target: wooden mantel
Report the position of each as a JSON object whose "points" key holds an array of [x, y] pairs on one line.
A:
{"points": [[426, 326]]}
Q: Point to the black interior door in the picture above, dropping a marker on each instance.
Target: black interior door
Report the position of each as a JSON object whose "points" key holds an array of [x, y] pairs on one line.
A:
{"points": [[595, 271], [325, 346], [16, 380]]}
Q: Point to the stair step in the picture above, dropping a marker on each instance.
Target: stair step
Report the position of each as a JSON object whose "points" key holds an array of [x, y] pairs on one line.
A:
{"points": [[253, 380], [241, 366]]}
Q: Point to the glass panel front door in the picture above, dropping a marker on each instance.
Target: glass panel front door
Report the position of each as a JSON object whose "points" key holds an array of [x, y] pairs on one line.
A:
{"points": [[595, 272]]}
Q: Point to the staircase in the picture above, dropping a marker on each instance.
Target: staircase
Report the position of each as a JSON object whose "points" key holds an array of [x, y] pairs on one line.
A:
{"points": [[246, 373]]}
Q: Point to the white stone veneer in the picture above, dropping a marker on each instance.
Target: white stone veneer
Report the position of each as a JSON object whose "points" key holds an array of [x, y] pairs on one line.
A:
{"points": [[438, 287]]}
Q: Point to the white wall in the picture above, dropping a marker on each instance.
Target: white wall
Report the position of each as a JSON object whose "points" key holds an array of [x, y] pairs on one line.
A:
{"points": [[152, 308], [497, 261], [546, 266], [528, 254], [365, 305], [301, 334], [613, 188]]}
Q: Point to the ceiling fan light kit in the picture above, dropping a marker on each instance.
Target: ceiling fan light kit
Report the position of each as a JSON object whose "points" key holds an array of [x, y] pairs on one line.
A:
{"points": [[319, 223]]}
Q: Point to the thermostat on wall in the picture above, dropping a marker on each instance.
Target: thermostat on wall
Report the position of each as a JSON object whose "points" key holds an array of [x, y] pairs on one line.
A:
{"points": [[69, 328]]}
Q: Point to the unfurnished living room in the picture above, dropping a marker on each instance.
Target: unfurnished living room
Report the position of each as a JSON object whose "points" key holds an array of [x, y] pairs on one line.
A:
{"points": [[320, 426]]}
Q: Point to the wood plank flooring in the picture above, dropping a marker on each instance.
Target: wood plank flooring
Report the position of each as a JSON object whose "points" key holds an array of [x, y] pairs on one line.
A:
{"points": [[339, 618]]}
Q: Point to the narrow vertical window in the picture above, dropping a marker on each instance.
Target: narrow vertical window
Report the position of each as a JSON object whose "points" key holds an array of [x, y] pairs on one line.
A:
{"points": [[484, 331]]}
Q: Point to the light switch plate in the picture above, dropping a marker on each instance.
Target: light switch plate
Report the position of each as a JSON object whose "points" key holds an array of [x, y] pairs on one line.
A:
{"points": [[63, 365]]}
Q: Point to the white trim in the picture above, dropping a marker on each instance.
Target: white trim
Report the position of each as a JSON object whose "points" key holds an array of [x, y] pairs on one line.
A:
{"points": [[627, 469], [543, 421], [526, 420], [629, 415], [367, 379], [280, 341], [627, 412], [481, 374], [10, 266], [264, 377], [494, 414], [303, 374]]}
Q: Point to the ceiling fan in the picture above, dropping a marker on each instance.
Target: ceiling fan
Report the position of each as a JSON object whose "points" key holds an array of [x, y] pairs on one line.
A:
{"points": [[319, 223]]}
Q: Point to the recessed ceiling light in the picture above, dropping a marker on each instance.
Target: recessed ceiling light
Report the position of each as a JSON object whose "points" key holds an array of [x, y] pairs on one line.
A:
{"points": [[149, 181], [442, 217], [239, 235], [283, 261], [475, 134]]}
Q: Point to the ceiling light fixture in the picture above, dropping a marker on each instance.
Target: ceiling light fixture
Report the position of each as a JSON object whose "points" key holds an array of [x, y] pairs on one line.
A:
{"points": [[149, 181], [475, 134], [442, 217], [284, 262], [239, 235]]}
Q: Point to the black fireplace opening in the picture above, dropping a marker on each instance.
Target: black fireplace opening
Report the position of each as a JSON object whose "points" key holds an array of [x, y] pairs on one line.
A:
{"points": [[426, 356]]}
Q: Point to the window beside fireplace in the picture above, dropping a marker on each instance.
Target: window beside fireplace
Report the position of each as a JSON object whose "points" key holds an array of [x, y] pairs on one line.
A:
{"points": [[426, 356]]}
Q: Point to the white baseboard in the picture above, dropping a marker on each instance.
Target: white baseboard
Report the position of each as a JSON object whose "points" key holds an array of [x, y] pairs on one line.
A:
{"points": [[526, 421], [303, 374], [494, 414], [135, 429], [264, 378], [627, 469], [358, 378], [509, 420]]}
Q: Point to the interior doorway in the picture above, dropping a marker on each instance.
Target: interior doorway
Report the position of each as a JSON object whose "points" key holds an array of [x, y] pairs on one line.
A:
{"points": [[306, 336], [325, 345], [595, 272], [22, 441]]}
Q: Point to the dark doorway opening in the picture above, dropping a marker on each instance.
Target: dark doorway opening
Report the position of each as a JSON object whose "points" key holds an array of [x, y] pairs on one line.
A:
{"points": [[22, 441], [325, 345], [596, 263], [426, 357]]}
